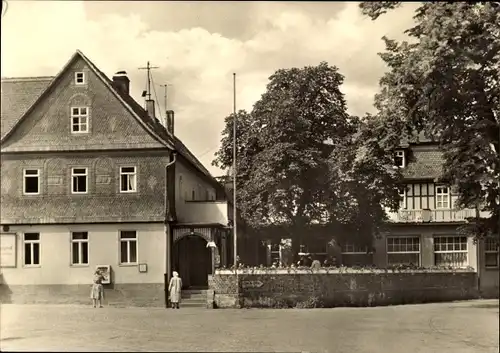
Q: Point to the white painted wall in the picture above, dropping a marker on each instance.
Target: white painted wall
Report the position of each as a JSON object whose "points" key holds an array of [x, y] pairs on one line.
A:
{"points": [[55, 254]]}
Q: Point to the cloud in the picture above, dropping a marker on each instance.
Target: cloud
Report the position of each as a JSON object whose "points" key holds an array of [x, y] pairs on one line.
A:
{"points": [[39, 37]]}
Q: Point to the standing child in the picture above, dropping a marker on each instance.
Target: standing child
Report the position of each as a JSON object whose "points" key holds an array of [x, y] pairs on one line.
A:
{"points": [[174, 288], [97, 291]]}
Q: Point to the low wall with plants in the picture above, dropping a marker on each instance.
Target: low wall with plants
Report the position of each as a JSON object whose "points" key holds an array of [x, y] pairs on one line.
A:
{"points": [[306, 288]]}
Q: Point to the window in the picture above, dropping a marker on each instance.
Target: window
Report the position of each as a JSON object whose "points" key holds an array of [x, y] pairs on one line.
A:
{"points": [[32, 249], [31, 184], [79, 180], [351, 248], [79, 248], [128, 247], [403, 250], [355, 255], [128, 179], [402, 201], [275, 253], [193, 195], [80, 78], [450, 251], [399, 158], [491, 253], [79, 119], [442, 197], [207, 195]]}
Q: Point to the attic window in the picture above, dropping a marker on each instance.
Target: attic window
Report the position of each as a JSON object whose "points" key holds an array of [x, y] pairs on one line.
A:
{"points": [[399, 159], [79, 78]]}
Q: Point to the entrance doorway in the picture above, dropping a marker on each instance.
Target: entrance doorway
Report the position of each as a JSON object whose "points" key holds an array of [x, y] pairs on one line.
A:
{"points": [[193, 261]]}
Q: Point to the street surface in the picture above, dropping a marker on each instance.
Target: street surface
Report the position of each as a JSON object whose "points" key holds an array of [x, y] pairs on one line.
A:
{"points": [[462, 327]]}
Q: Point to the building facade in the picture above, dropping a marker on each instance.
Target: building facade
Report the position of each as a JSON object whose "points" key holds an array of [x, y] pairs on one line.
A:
{"points": [[424, 232], [90, 178]]}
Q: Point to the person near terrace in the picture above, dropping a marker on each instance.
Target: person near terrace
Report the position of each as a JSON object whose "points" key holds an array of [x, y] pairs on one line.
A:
{"points": [[97, 291], [174, 289]]}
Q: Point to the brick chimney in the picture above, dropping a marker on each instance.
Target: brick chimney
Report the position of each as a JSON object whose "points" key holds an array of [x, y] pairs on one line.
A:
{"points": [[121, 82], [150, 108], [170, 121]]}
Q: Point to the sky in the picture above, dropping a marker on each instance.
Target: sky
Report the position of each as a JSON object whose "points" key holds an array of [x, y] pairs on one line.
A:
{"points": [[197, 47]]}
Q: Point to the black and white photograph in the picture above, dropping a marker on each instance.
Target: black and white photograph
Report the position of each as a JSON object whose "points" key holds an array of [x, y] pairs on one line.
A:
{"points": [[250, 176]]}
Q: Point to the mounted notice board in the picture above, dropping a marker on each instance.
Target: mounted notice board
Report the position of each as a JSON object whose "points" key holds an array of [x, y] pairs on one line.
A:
{"points": [[8, 250], [106, 273]]}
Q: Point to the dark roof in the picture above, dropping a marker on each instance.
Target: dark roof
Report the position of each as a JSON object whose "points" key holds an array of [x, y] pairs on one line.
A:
{"points": [[425, 164], [155, 125], [18, 95]]}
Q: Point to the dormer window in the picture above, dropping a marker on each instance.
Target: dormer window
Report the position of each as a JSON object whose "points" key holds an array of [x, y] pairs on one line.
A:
{"points": [[79, 120], [80, 78], [399, 159]]}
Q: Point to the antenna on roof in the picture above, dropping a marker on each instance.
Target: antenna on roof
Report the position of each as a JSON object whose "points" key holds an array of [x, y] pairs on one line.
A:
{"points": [[149, 68], [166, 91]]}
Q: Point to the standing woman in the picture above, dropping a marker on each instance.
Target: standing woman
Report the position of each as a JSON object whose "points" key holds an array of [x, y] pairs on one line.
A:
{"points": [[174, 289], [97, 291]]}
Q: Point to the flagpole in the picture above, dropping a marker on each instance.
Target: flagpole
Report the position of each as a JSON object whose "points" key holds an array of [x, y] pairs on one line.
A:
{"points": [[235, 237]]}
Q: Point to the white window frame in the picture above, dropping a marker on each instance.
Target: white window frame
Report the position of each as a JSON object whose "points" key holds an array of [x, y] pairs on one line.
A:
{"points": [[83, 77], [128, 241], [491, 247], [25, 175], [406, 251], [80, 249], [442, 195], [400, 154], [80, 116], [31, 243], [466, 251], [73, 175], [128, 174], [349, 248]]}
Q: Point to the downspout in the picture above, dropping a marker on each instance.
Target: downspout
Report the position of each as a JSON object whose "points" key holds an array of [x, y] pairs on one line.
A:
{"points": [[170, 217]]}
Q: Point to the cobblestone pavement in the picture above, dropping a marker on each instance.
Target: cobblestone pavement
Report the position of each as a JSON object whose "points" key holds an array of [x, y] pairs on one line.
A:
{"points": [[460, 327]]}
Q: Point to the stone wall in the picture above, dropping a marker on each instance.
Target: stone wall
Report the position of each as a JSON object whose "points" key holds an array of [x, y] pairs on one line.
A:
{"points": [[119, 295], [322, 289]]}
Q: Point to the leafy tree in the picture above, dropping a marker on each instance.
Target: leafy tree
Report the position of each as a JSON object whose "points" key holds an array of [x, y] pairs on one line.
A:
{"points": [[445, 81], [298, 158]]}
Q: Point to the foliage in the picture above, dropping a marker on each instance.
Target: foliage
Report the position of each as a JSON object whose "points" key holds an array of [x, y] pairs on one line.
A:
{"points": [[300, 158], [445, 82]]}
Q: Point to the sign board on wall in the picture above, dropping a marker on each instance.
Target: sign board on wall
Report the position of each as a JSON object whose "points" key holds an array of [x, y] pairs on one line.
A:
{"points": [[8, 250], [106, 273]]}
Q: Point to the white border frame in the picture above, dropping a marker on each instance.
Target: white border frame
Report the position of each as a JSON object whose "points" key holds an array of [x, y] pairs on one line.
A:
{"points": [[79, 241], [79, 116], [486, 251], [86, 181], [128, 173], [126, 264], [38, 175], [448, 195], [39, 241], [397, 154], [466, 251], [387, 252], [84, 78]]}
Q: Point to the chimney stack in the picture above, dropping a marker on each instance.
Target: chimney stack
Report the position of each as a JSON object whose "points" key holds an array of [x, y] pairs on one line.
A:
{"points": [[170, 121], [121, 82], [150, 108]]}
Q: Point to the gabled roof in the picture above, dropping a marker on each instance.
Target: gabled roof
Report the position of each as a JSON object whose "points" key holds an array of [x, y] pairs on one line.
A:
{"points": [[18, 95], [22, 94]]}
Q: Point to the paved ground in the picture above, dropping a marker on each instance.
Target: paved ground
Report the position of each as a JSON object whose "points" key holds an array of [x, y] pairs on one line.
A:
{"points": [[452, 327]]}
